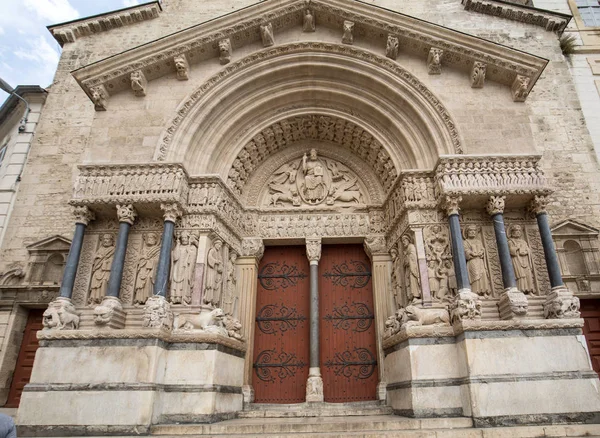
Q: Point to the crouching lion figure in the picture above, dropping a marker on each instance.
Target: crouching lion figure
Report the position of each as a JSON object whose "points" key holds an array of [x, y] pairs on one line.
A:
{"points": [[418, 316], [209, 322]]}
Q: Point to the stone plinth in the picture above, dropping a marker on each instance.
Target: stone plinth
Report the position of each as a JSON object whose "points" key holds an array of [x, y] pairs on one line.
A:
{"points": [[123, 382], [499, 373]]}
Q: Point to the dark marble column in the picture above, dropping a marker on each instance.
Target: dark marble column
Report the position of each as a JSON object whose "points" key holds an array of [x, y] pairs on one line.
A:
{"points": [[314, 384], [127, 215], [83, 216], [171, 213], [458, 249], [512, 303]]}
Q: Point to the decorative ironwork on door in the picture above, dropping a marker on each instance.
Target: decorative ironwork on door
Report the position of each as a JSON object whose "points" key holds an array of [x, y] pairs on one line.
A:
{"points": [[359, 364], [356, 316], [270, 364], [278, 275], [272, 318], [355, 274]]}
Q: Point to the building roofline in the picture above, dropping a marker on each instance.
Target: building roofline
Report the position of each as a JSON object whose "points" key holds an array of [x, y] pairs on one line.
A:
{"points": [[12, 101]]}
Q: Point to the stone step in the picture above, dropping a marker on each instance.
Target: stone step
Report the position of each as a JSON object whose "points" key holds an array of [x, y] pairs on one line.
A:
{"points": [[264, 410], [312, 425]]}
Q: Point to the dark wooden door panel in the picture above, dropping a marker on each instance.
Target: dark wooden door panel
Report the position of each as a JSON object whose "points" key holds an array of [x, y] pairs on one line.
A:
{"points": [[590, 312], [281, 341], [25, 359], [347, 325]]}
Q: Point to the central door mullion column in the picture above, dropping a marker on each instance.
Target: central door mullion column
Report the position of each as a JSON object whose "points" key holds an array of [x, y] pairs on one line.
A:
{"points": [[314, 384]]}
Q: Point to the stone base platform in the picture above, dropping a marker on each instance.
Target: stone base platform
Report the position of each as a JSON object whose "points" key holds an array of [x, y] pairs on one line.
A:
{"points": [[370, 408]]}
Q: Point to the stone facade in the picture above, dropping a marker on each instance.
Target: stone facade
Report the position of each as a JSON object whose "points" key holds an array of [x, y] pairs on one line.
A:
{"points": [[315, 123]]}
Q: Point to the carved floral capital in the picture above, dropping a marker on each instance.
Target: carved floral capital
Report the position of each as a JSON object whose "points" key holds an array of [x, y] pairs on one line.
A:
{"points": [[313, 249], [253, 247], [375, 245], [452, 204], [171, 212], [538, 205], [83, 215], [495, 205], [126, 213]]}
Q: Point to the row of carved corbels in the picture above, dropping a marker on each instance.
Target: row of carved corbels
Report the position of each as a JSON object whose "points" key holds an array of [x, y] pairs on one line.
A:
{"points": [[495, 205], [126, 213]]}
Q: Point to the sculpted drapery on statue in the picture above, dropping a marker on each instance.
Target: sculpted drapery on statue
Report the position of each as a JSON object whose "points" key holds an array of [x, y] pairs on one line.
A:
{"points": [[214, 274], [312, 181], [101, 269], [412, 281], [145, 269], [475, 255], [182, 264], [230, 297], [521, 259]]}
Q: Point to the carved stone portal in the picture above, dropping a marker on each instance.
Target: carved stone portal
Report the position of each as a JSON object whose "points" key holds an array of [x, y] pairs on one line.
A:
{"points": [[313, 181]]}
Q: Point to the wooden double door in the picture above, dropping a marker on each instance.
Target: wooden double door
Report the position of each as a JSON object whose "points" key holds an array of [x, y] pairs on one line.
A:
{"points": [[348, 355]]}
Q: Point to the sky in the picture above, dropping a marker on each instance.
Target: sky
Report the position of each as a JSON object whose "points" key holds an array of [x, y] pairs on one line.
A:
{"points": [[28, 53]]}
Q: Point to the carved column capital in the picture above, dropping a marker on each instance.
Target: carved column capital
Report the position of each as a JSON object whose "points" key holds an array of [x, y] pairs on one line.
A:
{"points": [[375, 245], [83, 215], [313, 249], [539, 204], [126, 213], [171, 212], [495, 205], [253, 247], [452, 204]]}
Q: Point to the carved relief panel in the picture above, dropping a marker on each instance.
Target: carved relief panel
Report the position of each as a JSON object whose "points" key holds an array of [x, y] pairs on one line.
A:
{"points": [[440, 269], [313, 225]]}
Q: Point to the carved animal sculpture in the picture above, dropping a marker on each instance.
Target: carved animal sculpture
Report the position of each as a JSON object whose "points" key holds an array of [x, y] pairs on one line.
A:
{"points": [[211, 322], [349, 195], [427, 316], [233, 327]]}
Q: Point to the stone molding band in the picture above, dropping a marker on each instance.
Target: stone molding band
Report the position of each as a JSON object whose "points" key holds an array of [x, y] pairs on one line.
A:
{"points": [[223, 389], [493, 378]]}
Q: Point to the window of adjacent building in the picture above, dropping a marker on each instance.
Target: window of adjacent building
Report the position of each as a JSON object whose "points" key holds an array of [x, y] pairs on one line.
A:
{"points": [[589, 11], [575, 260]]}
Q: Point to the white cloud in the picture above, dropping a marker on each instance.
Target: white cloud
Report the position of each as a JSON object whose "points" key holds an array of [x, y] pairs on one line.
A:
{"points": [[42, 59], [128, 3], [1, 30], [53, 11]]}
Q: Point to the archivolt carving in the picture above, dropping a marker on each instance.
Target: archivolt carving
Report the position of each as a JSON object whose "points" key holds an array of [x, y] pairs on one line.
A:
{"points": [[264, 55]]}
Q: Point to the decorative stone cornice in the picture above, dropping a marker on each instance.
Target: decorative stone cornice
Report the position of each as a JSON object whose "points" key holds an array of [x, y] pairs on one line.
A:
{"points": [[313, 249], [83, 215], [549, 20], [69, 32], [126, 213], [495, 205], [155, 59], [491, 175]]}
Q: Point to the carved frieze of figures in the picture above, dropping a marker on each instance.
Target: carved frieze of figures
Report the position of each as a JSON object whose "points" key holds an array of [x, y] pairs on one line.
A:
{"points": [[139, 83], [391, 47], [478, 74], [101, 269], [146, 268], [442, 281], [213, 283], [308, 24], [183, 261], [183, 67], [230, 297], [99, 97], [434, 61], [348, 28], [521, 259], [225, 51], [412, 280], [314, 225], [476, 261], [266, 34], [313, 181]]}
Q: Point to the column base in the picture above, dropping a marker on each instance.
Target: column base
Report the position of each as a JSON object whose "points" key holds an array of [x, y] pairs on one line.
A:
{"points": [[382, 391], [248, 393], [466, 305], [157, 313], [109, 314], [314, 385], [561, 303], [512, 304]]}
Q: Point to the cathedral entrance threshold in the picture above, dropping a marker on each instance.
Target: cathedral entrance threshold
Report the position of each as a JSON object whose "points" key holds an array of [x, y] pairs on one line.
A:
{"points": [[300, 410]]}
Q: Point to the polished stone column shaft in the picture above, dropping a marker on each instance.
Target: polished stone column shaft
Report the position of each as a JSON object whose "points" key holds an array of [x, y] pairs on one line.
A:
{"points": [[314, 384], [171, 213], [83, 218], [458, 249], [495, 209], [127, 215], [549, 251]]}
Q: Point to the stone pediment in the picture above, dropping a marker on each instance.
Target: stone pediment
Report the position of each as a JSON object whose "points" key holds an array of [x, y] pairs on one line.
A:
{"points": [[396, 35], [572, 228], [50, 244]]}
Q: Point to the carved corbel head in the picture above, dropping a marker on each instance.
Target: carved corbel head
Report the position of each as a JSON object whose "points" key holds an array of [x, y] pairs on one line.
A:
{"points": [[347, 36], [434, 61], [391, 47], [182, 67], [520, 88], [478, 74], [99, 96]]}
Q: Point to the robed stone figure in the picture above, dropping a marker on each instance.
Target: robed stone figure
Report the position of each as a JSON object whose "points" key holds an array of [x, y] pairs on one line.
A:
{"points": [[214, 275], [145, 269], [183, 260], [412, 281], [521, 259], [101, 269], [475, 255]]}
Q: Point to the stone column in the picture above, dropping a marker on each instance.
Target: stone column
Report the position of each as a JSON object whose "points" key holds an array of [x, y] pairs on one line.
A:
{"points": [[109, 314], [466, 304], [247, 285], [314, 384], [381, 274], [560, 302], [62, 308], [513, 303], [171, 213]]}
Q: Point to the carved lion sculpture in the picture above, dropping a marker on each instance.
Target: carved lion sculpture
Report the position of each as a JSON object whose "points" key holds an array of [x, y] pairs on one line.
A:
{"points": [[233, 327], [395, 322], [418, 316], [559, 308], [60, 315], [467, 307], [103, 315], [210, 322]]}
